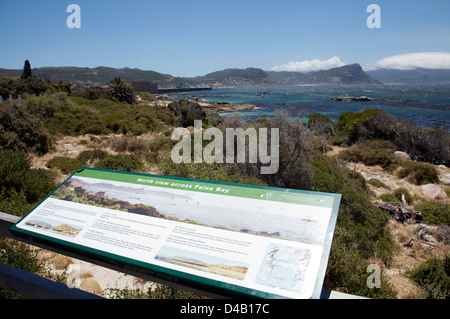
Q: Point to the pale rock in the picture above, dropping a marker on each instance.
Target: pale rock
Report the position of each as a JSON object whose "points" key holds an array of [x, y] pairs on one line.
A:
{"points": [[433, 191], [445, 179], [91, 285], [402, 156]]}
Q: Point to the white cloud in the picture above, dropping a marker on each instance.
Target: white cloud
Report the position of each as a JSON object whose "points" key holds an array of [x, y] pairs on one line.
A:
{"points": [[410, 61], [310, 65]]}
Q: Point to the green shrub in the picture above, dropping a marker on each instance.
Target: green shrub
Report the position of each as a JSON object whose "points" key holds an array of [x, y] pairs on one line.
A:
{"points": [[434, 212], [187, 112], [377, 183], [213, 172], [91, 155], [400, 192], [360, 234], [13, 202], [121, 162], [321, 124], [21, 131], [389, 198], [434, 277], [17, 86], [15, 173], [418, 173], [370, 153], [65, 164], [130, 144], [365, 125]]}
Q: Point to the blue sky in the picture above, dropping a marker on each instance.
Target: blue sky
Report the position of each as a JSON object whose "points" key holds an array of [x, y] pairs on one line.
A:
{"points": [[195, 37]]}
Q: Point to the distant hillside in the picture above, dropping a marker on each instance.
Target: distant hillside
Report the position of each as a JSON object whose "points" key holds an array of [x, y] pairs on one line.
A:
{"points": [[417, 76], [99, 75], [348, 74], [235, 76]]}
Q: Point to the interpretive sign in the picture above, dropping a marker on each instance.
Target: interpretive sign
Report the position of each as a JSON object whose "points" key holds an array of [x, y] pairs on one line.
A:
{"points": [[233, 240]]}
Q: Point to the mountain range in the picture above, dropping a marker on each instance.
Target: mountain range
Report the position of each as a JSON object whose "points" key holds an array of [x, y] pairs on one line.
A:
{"points": [[348, 74]]}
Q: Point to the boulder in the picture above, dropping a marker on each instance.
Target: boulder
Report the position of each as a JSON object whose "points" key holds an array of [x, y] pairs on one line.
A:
{"points": [[91, 285], [445, 179], [433, 191], [402, 156]]}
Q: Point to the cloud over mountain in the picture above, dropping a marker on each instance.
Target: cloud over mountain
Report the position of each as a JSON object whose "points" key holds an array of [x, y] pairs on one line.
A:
{"points": [[310, 65], [411, 61]]}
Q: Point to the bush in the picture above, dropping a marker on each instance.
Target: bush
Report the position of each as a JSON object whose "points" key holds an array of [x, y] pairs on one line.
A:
{"points": [[15, 173], [377, 183], [205, 171], [92, 93], [21, 131], [130, 144], [434, 212], [65, 164], [369, 124], [321, 124], [360, 232], [434, 277], [121, 162], [389, 198], [419, 173], [399, 193], [423, 144], [13, 202], [16, 86], [295, 145], [187, 112], [370, 153], [91, 155]]}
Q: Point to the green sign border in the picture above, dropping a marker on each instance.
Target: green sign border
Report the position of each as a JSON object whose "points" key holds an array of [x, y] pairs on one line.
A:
{"points": [[180, 278]]}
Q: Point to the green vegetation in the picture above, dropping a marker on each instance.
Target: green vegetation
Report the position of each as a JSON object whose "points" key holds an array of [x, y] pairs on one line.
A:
{"points": [[434, 277], [419, 173], [321, 124], [20, 189], [121, 162], [65, 164], [187, 111], [69, 115], [434, 212], [422, 144], [121, 90], [377, 183], [21, 131], [369, 124], [26, 70], [16, 175], [158, 292], [360, 231], [90, 156], [397, 196], [371, 153]]}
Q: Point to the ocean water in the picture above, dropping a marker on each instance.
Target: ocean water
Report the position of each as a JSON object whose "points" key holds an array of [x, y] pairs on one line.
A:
{"points": [[427, 105]]}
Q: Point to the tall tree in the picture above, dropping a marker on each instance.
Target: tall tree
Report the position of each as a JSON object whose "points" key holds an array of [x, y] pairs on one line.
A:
{"points": [[26, 70], [121, 90]]}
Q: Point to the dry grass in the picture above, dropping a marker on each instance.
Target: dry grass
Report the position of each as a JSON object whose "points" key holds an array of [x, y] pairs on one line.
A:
{"points": [[61, 262]]}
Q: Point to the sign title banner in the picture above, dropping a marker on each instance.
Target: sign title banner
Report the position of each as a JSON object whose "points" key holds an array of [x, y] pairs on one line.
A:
{"points": [[230, 239]]}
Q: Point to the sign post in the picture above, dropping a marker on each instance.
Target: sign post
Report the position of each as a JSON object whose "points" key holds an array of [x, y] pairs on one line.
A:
{"points": [[232, 240]]}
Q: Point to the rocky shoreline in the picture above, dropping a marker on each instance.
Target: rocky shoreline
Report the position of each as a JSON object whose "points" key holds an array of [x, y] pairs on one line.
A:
{"points": [[210, 106]]}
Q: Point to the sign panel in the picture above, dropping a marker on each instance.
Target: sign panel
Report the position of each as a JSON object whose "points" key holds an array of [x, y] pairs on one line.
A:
{"points": [[231, 239]]}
